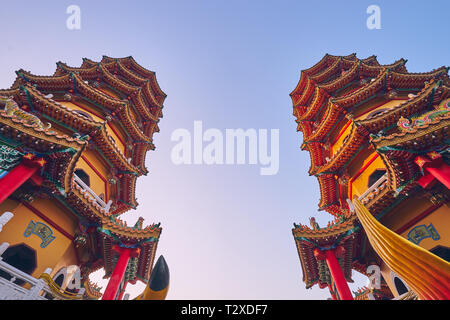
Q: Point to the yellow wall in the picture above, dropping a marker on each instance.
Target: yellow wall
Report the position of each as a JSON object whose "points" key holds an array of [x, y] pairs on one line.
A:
{"points": [[361, 183], [387, 105], [13, 231], [441, 222], [345, 133], [98, 185]]}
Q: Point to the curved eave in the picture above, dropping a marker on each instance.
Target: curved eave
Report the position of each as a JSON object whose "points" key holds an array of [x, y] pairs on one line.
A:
{"points": [[43, 140], [388, 80], [143, 82], [128, 234], [308, 263], [143, 72], [320, 97], [405, 80], [357, 137], [361, 68], [316, 154], [139, 156], [306, 73], [408, 140], [128, 190], [49, 138], [332, 113], [363, 93], [327, 73], [328, 191], [58, 111], [413, 106], [123, 113], [108, 147], [134, 131], [134, 93], [96, 130], [342, 80], [302, 99], [75, 84], [335, 111], [335, 230]]}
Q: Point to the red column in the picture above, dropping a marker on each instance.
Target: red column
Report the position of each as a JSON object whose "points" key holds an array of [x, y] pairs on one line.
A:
{"points": [[442, 173], [17, 176], [338, 276], [119, 272], [333, 295], [122, 290], [433, 164], [335, 270]]}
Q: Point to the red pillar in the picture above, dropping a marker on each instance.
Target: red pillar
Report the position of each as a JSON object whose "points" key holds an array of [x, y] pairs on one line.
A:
{"points": [[333, 295], [335, 270], [122, 291], [433, 164], [441, 173], [21, 173], [338, 275], [119, 272]]}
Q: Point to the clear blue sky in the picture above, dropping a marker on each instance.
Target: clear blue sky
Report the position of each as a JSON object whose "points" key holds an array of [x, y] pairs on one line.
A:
{"points": [[232, 64]]}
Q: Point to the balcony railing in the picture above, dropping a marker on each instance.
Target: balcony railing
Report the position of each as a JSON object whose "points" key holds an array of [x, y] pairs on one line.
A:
{"points": [[30, 288], [9, 290], [85, 189], [374, 187]]}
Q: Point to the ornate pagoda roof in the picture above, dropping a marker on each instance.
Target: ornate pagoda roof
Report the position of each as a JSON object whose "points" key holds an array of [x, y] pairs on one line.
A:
{"points": [[60, 151], [116, 231], [135, 106], [341, 232], [329, 94], [427, 133], [137, 90], [316, 94]]}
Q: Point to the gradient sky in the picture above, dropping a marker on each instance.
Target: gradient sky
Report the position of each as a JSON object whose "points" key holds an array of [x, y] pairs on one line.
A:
{"points": [[231, 64]]}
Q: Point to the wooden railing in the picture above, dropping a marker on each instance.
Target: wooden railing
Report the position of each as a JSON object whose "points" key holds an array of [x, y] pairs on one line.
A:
{"points": [[92, 194]]}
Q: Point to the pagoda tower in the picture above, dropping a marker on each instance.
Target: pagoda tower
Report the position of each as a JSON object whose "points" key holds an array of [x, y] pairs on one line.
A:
{"points": [[71, 148], [378, 140]]}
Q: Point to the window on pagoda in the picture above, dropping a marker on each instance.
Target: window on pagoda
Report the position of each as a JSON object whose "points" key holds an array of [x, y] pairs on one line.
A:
{"points": [[442, 252], [60, 276], [21, 257], [83, 176], [400, 286], [85, 114], [375, 176], [376, 112]]}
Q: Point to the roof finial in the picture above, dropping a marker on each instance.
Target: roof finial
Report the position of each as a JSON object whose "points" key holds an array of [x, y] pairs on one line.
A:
{"points": [[139, 223]]}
